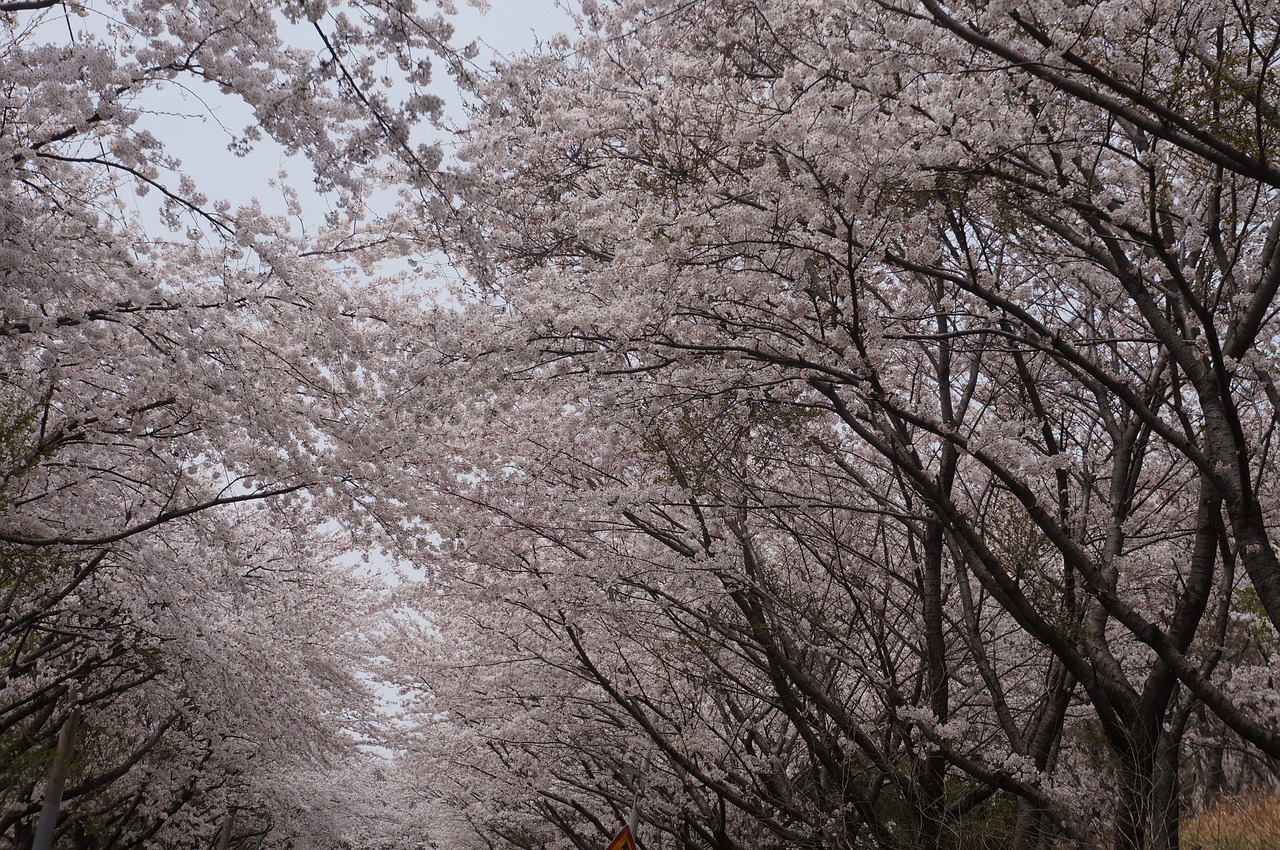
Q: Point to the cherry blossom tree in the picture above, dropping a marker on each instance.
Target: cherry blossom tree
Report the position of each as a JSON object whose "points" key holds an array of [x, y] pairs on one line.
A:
{"points": [[198, 398], [870, 369]]}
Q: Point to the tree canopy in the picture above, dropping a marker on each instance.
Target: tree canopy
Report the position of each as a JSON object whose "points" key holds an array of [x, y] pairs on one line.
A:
{"points": [[862, 414], [191, 397], [891, 448]]}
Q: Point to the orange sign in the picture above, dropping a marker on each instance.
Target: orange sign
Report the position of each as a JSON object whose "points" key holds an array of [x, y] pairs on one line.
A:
{"points": [[623, 840]]}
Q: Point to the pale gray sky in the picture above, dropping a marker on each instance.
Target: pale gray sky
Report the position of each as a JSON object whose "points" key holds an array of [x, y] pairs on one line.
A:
{"points": [[511, 25]]}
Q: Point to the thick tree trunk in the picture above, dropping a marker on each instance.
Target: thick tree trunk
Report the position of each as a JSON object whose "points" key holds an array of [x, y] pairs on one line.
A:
{"points": [[1149, 807], [1133, 811], [933, 771], [1167, 803]]}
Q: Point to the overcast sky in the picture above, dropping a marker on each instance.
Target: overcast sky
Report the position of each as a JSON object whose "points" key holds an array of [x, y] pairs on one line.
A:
{"points": [[510, 25]]}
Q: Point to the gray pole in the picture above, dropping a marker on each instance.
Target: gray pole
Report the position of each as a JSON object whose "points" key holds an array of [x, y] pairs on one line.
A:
{"points": [[56, 782], [224, 837], [633, 822]]}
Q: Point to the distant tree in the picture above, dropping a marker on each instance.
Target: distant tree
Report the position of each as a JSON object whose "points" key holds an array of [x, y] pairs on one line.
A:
{"points": [[193, 394]]}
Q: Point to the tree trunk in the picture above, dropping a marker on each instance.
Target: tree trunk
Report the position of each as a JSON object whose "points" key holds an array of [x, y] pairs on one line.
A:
{"points": [[1148, 810]]}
